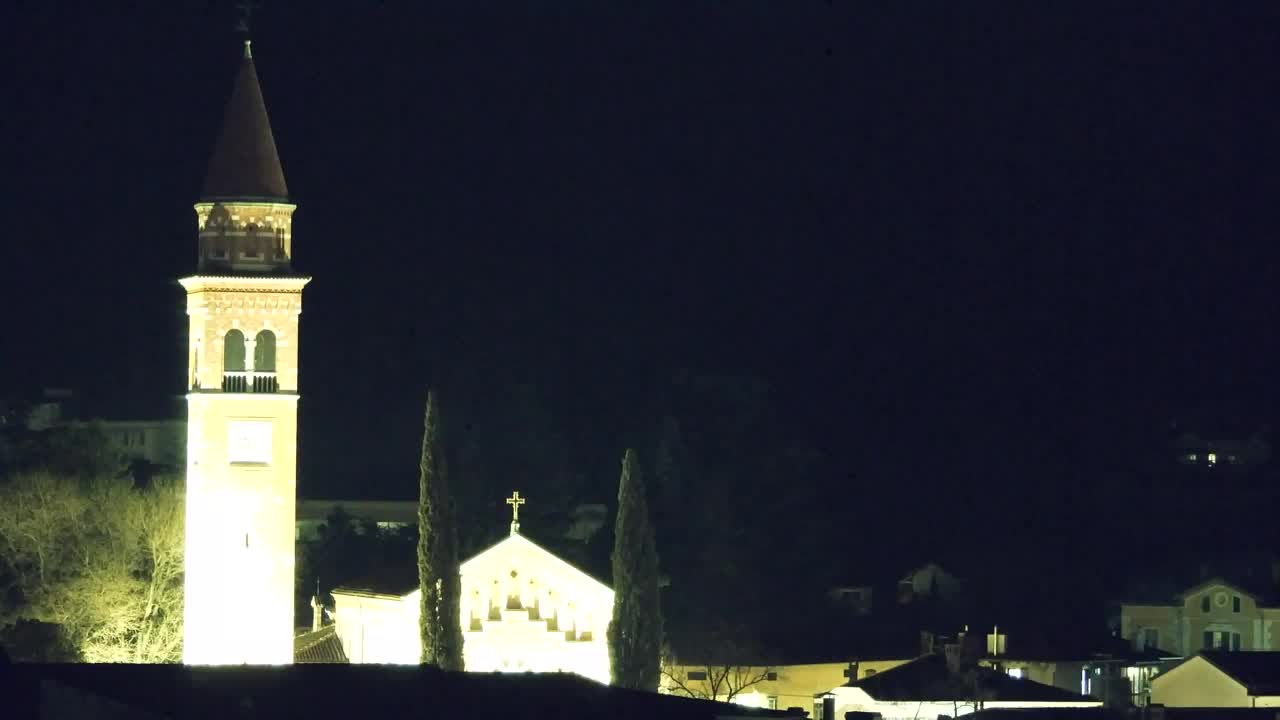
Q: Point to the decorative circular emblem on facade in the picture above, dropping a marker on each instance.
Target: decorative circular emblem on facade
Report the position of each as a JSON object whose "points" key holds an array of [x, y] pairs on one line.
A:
{"points": [[1220, 599]]}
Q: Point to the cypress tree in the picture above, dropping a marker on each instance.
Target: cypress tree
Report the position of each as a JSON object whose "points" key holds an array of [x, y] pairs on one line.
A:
{"points": [[439, 577], [635, 630]]}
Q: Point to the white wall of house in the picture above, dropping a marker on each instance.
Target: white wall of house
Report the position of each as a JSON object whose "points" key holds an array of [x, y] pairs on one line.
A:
{"points": [[1197, 683], [850, 699]]}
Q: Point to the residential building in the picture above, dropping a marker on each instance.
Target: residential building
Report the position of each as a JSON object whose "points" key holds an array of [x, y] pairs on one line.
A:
{"points": [[383, 514], [933, 686], [1214, 615], [159, 442], [1221, 451], [768, 686], [928, 584], [1219, 678]]}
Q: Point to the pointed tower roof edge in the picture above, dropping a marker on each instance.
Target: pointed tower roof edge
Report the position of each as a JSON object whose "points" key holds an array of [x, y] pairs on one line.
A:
{"points": [[244, 164]]}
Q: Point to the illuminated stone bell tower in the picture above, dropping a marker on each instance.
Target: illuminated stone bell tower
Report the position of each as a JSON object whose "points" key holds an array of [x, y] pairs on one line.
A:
{"points": [[242, 398]]}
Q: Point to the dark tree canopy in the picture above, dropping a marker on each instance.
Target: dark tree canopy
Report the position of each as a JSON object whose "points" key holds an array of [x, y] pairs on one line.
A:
{"points": [[438, 572], [635, 631]]}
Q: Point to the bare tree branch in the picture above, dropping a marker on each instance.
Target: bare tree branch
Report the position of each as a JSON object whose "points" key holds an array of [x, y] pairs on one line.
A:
{"points": [[100, 559]]}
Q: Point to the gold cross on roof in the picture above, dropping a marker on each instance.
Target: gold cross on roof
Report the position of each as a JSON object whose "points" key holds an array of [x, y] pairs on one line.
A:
{"points": [[515, 501]]}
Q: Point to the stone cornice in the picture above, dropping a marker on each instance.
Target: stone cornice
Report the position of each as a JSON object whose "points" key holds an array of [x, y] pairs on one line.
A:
{"points": [[232, 283]]}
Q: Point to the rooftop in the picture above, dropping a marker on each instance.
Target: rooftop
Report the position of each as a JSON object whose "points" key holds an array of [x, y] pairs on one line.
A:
{"points": [[1258, 671], [244, 164], [176, 691], [319, 646], [928, 678]]}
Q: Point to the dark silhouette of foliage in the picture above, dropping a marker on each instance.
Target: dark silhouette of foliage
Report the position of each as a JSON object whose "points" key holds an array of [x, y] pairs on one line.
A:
{"points": [[635, 631], [438, 573]]}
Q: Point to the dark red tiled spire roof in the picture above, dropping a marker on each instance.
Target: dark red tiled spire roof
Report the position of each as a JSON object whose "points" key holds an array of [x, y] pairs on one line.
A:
{"points": [[244, 163]]}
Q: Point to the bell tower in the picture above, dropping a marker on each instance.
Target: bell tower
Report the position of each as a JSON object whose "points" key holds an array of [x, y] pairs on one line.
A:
{"points": [[243, 305]]}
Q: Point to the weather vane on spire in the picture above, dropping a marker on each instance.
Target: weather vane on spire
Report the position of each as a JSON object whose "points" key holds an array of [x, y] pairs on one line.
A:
{"points": [[245, 22]]}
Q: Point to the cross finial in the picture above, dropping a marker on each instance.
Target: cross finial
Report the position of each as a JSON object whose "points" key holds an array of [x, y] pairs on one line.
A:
{"points": [[515, 501]]}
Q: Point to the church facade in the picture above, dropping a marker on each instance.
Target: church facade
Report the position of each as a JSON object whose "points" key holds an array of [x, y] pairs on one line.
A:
{"points": [[523, 610], [243, 305]]}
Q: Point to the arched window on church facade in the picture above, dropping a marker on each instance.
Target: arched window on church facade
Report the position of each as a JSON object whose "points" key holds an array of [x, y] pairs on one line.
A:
{"points": [[234, 378], [264, 362]]}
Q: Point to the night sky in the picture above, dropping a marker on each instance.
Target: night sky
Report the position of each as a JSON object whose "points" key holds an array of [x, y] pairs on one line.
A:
{"points": [[982, 252]]}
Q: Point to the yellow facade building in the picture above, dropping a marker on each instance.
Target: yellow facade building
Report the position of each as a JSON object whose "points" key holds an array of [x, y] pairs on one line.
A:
{"points": [[1214, 615], [243, 305]]}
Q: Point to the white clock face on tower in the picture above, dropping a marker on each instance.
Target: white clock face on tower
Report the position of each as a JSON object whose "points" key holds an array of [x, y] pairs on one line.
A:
{"points": [[249, 441]]}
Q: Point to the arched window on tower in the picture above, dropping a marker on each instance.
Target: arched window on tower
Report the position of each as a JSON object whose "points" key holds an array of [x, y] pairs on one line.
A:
{"points": [[264, 362], [234, 377], [195, 365]]}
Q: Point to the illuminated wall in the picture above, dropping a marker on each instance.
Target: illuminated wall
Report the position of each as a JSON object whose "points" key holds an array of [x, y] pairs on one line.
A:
{"points": [[1214, 607], [523, 610], [786, 686], [241, 474], [852, 699], [1197, 683]]}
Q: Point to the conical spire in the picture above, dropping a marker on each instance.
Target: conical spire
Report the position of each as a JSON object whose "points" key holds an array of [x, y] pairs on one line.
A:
{"points": [[245, 165]]}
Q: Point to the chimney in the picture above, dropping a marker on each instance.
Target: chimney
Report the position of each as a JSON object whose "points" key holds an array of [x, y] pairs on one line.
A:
{"points": [[828, 707], [317, 613], [928, 643], [953, 653]]}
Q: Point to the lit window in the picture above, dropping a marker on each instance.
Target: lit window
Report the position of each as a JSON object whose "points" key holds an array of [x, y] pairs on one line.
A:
{"points": [[771, 702], [1212, 458], [1192, 457], [1015, 673]]}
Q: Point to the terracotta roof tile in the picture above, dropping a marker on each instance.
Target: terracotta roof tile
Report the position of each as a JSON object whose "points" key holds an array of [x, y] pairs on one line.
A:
{"points": [[319, 646]]}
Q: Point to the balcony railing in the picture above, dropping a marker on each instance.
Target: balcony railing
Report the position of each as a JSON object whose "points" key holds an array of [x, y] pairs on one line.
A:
{"points": [[250, 382]]}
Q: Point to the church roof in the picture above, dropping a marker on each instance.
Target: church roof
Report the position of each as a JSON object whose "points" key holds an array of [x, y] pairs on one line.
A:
{"points": [[244, 165], [319, 646], [401, 578], [520, 538]]}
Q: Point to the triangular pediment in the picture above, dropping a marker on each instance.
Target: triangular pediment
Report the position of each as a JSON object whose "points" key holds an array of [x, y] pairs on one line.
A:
{"points": [[1213, 585], [519, 550]]}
